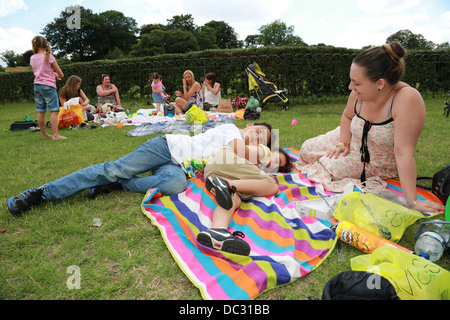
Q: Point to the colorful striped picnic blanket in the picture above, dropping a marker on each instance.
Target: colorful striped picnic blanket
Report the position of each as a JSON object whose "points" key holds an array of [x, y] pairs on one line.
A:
{"points": [[284, 247]]}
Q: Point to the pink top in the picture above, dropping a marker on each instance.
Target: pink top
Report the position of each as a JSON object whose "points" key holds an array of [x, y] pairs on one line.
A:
{"points": [[157, 85], [43, 71]]}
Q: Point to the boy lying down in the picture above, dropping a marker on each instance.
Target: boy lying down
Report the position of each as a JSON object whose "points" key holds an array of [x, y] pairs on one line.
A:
{"points": [[231, 178]]}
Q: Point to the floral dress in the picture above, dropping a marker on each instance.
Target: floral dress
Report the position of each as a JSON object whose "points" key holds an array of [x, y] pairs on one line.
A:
{"points": [[372, 143], [197, 99]]}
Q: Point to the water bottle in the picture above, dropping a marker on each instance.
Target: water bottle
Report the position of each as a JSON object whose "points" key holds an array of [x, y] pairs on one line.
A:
{"points": [[432, 238]]}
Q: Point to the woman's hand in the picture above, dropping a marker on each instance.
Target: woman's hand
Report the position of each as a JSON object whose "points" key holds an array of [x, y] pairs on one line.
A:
{"points": [[341, 148], [428, 206]]}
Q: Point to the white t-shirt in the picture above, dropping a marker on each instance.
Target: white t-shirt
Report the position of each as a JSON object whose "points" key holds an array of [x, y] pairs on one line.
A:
{"points": [[203, 145], [212, 99]]}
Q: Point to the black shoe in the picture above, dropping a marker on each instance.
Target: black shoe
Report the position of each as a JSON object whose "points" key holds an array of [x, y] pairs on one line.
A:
{"points": [[93, 192], [221, 239], [222, 190], [23, 202]]}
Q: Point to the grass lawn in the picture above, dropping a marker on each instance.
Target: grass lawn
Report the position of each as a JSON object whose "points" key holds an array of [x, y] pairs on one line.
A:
{"points": [[126, 258]]}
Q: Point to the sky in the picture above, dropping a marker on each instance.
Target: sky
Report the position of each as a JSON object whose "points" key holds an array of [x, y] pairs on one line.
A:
{"points": [[344, 23]]}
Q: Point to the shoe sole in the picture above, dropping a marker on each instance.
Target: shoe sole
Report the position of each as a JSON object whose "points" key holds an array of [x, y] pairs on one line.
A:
{"points": [[223, 198], [231, 246]]}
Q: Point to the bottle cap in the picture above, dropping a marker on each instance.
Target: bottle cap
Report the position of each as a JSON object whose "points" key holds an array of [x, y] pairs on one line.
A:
{"points": [[424, 255]]}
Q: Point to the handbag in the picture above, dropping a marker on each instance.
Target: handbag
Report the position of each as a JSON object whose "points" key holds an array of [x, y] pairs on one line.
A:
{"points": [[73, 115], [440, 186]]}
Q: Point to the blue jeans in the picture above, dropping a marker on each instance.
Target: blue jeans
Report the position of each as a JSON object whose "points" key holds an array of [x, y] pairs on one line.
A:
{"points": [[45, 98], [153, 155]]}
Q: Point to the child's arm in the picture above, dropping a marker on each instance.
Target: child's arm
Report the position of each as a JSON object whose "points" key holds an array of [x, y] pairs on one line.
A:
{"points": [[242, 150], [58, 73]]}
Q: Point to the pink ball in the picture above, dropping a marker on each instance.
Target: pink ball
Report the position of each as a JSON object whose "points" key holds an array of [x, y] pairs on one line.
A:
{"points": [[294, 122]]}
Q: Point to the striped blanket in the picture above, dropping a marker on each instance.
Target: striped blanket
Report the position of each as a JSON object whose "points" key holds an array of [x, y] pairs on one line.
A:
{"points": [[284, 247]]}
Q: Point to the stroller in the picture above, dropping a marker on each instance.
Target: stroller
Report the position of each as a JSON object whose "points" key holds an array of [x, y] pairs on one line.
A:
{"points": [[265, 90]]}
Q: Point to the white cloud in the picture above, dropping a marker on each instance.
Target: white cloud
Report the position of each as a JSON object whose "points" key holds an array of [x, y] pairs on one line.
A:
{"points": [[16, 39], [8, 7], [386, 6]]}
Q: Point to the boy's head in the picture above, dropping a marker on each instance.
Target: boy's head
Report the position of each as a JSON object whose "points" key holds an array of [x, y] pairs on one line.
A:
{"points": [[258, 133], [280, 161]]}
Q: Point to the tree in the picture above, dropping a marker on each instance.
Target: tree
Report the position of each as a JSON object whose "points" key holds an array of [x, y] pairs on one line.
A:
{"points": [[184, 22], [410, 40], [206, 38], [169, 41], [10, 57], [251, 41], [226, 37], [99, 33], [278, 34]]}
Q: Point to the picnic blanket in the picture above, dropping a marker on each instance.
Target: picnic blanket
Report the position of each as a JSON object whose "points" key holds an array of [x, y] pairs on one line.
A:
{"points": [[284, 247]]}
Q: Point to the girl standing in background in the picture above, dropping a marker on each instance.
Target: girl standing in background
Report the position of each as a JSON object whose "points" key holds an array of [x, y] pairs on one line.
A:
{"points": [[46, 71]]}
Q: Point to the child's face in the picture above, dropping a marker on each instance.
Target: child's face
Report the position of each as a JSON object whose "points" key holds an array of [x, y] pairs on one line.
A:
{"points": [[254, 135], [276, 160], [157, 80]]}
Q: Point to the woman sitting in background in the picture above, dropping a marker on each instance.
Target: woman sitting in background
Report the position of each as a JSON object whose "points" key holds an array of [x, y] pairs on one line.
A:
{"points": [[107, 93], [191, 94], [211, 92], [72, 89]]}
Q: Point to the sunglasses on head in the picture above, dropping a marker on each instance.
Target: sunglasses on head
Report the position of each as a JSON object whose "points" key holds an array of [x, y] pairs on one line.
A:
{"points": [[103, 76]]}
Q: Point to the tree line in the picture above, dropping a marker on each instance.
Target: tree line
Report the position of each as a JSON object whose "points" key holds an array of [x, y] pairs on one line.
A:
{"points": [[112, 35]]}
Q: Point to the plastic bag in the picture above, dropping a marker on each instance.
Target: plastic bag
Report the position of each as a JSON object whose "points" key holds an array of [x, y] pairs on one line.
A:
{"points": [[413, 277], [73, 115], [195, 114], [377, 215]]}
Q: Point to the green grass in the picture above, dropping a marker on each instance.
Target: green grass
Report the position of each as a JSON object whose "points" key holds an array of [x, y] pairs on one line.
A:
{"points": [[126, 258]]}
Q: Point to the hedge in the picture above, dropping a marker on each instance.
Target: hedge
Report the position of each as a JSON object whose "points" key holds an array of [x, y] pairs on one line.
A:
{"points": [[305, 71]]}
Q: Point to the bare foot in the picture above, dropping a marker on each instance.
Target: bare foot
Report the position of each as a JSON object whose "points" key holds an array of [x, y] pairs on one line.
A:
{"points": [[46, 136], [59, 138]]}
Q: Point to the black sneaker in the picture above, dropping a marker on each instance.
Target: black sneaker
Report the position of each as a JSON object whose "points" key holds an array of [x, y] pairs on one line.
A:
{"points": [[222, 190], [221, 239], [23, 202], [93, 192]]}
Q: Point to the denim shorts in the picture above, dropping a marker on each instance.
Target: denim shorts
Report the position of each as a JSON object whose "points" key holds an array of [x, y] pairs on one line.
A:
{"points": [[45, 98], [157, 97]]}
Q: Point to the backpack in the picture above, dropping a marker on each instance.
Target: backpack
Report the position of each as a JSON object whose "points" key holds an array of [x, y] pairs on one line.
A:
{"points": [[440, 185], [359, 285]]}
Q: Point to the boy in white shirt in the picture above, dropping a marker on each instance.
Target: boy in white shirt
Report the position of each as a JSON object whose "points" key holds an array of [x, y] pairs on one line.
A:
{"points": [[161, 155]]}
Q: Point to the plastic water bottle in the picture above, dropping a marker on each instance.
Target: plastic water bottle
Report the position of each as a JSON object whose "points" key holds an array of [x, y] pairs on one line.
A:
{"points": [[432, 238]]}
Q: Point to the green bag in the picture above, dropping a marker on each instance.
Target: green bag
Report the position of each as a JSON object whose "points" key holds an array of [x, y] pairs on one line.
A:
{"points": [[252, 103]]}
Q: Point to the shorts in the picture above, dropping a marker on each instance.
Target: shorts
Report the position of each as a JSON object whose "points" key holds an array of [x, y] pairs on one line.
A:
{"points": [[226, 164], [157, 97], [45, 98]]}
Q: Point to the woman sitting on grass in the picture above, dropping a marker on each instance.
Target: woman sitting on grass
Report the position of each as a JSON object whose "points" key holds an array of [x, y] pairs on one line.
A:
{"points": [[378, 133]]}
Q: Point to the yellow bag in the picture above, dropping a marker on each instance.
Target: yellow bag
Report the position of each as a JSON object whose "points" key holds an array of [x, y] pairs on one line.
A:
{"points": [[195, 114], [377, 215], [413, 277], [73, 115]]}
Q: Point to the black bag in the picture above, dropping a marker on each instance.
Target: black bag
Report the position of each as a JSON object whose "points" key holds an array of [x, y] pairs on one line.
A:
{"points": [[169, 109], [359, 285], [440, 185], [251, 114], [22, 125]]}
